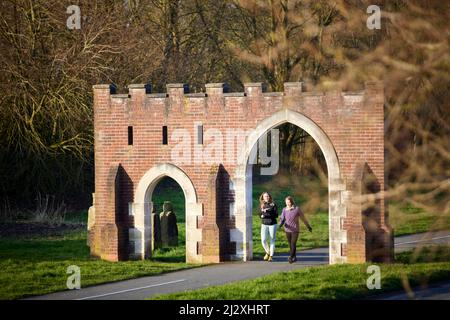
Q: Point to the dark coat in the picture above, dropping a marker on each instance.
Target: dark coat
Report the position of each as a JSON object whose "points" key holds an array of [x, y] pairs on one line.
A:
{"points": [[270, 214]]}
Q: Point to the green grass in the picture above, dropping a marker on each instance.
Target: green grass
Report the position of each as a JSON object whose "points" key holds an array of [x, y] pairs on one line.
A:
{"points": [[80, 217], [436, 253], [174, 254], [407, 219], [329, 282], [38, 266], [304, 190], [168, 190]]}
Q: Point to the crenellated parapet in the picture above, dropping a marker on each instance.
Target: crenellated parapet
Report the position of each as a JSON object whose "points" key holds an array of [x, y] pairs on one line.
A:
{"points": [[217, 98]]}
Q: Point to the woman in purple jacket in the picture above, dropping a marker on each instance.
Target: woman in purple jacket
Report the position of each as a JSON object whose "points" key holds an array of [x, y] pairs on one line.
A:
{"points": [[289, 217]]}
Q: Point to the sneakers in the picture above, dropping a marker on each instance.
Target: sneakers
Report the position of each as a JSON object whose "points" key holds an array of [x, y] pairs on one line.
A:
{"points": [[290, 260], [266, 257], [270, 258]]}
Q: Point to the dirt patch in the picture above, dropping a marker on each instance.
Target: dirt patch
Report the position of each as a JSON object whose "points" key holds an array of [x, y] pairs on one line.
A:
{"points": [[33, 229]]}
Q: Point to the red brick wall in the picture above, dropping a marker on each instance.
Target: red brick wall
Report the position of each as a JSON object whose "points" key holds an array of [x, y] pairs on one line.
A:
{"points": [[352, 121]]}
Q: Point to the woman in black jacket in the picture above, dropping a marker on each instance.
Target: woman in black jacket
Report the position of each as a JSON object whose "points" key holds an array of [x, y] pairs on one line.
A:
{"points": [[269, 214]]}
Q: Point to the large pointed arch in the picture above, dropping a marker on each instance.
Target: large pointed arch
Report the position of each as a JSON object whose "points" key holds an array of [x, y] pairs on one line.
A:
{"points": [[243, 178]]}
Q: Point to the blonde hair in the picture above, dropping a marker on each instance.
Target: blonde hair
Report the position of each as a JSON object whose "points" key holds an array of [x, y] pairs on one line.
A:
{"points": [[261, 198]]}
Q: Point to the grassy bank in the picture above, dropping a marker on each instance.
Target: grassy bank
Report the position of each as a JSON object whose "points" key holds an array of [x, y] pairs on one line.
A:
{"points": [[36, 263], [407, 219], [331, 282], [34, 260], [38, 266]]}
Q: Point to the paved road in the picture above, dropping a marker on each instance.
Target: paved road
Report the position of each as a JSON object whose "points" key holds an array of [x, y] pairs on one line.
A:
{"points": [[221, 273], [406, 243], [436, 291]]}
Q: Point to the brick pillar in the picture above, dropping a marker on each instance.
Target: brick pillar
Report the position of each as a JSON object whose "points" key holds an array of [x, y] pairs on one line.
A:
{"points": [[210, 232], [98, 233], [109, 231], [374, 100], [356, 237]]}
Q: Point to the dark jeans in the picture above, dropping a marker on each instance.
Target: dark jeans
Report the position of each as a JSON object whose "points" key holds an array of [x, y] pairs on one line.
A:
{"points": [[292, 240]]}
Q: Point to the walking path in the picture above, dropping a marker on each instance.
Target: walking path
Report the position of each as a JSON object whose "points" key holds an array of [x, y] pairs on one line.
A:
{"points": [[218, 274]]}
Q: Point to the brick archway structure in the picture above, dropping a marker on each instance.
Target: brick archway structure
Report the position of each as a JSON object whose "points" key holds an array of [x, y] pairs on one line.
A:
{"points": [[141, 137]]}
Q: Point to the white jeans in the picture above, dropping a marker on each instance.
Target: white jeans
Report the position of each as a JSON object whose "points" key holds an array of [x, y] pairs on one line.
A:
{"points": [[272, 233]]}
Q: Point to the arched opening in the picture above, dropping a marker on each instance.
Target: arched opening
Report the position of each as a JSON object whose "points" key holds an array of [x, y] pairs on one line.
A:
{"points": [[244, 190], [168, 220], [142, 208], [302, 174]]}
